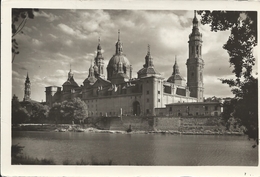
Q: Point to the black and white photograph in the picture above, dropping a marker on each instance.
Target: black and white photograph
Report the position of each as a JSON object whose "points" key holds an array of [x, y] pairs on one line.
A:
{"points": [[130, 86]]}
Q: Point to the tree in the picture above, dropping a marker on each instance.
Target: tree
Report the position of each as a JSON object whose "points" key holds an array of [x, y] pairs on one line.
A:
{"points": [[19, 18], [19, 114], [240, 45], [55, 113], [39, 112], [68, 111]]}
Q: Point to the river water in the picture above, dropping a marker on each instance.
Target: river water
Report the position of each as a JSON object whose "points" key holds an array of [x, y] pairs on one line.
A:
{"points": [[139, 149]]}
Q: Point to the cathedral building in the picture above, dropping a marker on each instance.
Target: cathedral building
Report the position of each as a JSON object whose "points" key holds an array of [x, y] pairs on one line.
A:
{"points": [[120, 93]]}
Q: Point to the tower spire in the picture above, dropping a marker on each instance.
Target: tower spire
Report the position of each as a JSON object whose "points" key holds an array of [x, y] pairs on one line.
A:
{"points": [[70, 75], [27, 88], [119, 35], [175, 67], [119, 45], [195, 20], [195, 63]]}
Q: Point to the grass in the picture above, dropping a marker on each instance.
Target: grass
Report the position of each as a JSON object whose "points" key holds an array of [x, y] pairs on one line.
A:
{"points": [[91, 162], [26, 160]]}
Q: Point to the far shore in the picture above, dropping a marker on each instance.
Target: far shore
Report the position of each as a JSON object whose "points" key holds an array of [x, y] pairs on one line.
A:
{"points": [[77, 128]]}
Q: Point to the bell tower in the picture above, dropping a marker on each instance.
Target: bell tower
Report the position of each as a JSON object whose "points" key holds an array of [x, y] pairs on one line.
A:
{"points": [[27, 89], [99, 62], [195, 63]]}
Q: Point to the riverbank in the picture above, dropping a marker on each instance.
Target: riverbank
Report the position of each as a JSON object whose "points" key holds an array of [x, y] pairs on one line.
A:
{"points": [[84, 128]]}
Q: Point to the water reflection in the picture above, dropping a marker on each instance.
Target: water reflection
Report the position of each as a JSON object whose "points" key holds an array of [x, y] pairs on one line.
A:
{"points": [[139, 149]]}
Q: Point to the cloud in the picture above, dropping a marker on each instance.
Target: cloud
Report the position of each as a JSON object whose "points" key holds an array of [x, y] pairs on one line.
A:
{"points": [[15, 74], [36, 42], [70, 31], [49, 16], [66, 29], [53, 36]]}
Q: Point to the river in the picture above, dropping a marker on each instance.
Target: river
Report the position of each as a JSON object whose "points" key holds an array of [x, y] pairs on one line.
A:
{"points": [[139, 149]]}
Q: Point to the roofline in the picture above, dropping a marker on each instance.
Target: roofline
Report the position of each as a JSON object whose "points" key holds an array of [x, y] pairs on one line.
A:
{"points": [[52, 86], [190, 103]]}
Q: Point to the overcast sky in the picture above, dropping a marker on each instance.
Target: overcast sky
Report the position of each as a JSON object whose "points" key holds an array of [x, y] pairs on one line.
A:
{"points": [[54, 39]]}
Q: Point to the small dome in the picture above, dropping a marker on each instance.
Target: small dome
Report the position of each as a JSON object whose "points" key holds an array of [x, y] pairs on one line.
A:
{"points": [[90, 80], [71, 83], [115, 60]]}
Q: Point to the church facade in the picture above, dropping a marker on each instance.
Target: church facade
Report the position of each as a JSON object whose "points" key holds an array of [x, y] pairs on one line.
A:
{"points": [[120, 93]]}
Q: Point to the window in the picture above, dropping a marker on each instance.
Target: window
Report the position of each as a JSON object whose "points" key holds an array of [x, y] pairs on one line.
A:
{"points": [[216, 108], [147, 111], [147, 92], [159, 100], [197, 50], [197, 113], [159, 92], [170, 108], [147, 99], [206, 108]]}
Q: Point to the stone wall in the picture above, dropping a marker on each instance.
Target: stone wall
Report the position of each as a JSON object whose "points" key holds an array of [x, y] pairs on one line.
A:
{"points": [[116, 123], [161, 123], [167, 123]]}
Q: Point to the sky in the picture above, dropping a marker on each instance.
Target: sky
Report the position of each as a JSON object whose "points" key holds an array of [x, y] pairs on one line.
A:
{"points": [[58, 38]]}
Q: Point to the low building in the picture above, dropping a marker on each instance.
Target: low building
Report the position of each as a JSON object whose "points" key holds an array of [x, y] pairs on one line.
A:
{"points": [[191, 109]]}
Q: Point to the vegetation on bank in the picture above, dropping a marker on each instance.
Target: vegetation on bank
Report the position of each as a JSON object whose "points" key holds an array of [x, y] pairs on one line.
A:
{"points": [[240, 46], [60, 113]]}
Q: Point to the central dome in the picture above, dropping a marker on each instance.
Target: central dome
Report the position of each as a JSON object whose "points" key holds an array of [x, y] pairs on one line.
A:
{"points": [[113, 67], [115, 60]]}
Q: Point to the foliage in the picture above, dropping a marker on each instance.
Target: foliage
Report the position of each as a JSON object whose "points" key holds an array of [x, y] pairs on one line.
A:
{"points": [[240, 45], [93, 161], [68, 111], [39, 112], [26, 160], [16, 150], [19, 114], [19, 18]]}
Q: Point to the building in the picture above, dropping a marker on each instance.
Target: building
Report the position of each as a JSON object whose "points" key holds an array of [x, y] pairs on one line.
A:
{"points": [[120, 93], [200, 109]]}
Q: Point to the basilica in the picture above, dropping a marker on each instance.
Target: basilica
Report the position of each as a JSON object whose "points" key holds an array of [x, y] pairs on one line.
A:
{"points": [[118, 93]]}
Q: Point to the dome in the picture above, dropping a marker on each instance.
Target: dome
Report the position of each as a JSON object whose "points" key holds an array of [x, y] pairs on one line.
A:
{"points": [[90, 80], [70, 83], [115, 60]]}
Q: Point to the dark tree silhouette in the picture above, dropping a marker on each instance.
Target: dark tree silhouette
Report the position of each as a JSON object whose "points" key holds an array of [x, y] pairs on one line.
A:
{"points": [[240, 45], [19, 18], [68, 111], [19, 114]]}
